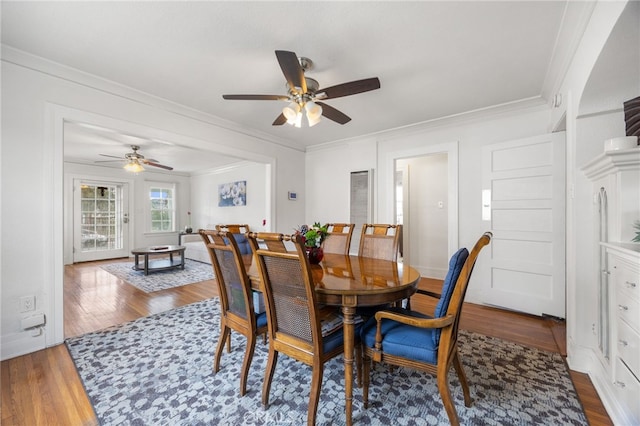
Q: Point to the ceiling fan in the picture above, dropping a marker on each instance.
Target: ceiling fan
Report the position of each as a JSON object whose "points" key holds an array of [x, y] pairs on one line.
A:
{"points": [[134, 161], [304, 93]]}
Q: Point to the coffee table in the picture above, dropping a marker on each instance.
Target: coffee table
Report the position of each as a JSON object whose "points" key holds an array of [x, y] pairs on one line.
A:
{"points": [[158, 264]]}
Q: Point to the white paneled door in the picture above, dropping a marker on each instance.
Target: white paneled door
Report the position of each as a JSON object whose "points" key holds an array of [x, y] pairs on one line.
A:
{"points": [[524, 202], [100, 220]]}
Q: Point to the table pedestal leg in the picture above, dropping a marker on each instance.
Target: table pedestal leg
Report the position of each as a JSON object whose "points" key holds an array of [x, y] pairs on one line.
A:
{"points": [[349, 339]]}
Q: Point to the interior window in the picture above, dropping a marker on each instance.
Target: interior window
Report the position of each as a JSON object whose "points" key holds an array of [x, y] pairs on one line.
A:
{"points": [[162, 211]]}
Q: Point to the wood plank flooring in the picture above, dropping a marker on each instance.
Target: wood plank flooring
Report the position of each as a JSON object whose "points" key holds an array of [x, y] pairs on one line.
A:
{"points": [[43, 388]]}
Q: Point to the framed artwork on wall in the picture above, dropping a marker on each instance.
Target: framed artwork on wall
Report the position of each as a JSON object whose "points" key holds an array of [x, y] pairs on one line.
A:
{"points": [[232, 194]]}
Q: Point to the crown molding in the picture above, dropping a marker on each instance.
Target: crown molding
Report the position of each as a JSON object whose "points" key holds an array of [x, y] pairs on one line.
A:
{"points": [[53, 69], [536, 103]]}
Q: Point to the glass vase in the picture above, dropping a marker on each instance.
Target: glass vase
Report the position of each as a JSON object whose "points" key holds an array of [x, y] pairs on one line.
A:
{"points": [[315, 255]]}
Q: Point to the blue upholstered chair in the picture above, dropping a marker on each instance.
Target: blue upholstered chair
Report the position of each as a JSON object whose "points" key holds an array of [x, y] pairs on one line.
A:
{"points": [[238, 232], [236, 298], [411, 339]]}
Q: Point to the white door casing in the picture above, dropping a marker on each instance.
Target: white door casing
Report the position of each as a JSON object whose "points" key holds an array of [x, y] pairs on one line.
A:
{"points": [[524, 181]]}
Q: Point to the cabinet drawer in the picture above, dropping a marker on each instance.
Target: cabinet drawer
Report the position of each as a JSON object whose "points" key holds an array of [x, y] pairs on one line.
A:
{"points": [[627, 389], [629, 347], [627, 278], [628, 309]]}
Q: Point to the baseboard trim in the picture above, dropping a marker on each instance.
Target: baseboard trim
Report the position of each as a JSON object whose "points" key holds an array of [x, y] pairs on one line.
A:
{"points": [[17, 344]]}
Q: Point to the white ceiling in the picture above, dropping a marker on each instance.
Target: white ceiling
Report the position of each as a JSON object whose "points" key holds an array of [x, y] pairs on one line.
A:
{"points": [[433, 59]]}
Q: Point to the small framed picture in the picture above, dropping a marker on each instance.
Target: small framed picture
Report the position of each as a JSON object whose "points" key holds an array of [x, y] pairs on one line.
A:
{"points": [[293, 196]]}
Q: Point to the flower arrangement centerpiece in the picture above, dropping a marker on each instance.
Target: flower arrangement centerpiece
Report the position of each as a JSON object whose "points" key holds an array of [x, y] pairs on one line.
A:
{"points": [[313, 237]]}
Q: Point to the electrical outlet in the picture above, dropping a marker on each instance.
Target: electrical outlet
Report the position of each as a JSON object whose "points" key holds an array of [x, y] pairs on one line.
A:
{"points": [[27, 303]]}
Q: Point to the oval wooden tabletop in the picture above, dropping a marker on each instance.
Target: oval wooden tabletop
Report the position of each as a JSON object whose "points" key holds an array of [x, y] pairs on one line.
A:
{"points": [[370, 281]]}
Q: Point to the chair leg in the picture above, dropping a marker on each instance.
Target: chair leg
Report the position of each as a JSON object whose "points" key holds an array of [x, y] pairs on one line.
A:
{"points": [[268, 375], [463, 378], [359, 364], [366, 370], [314, 395], [445, 394], [225, 334], [246, 364], [229, 343]]}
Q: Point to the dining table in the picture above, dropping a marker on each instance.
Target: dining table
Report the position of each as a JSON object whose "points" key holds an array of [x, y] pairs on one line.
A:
{"points": [[353, 282]]}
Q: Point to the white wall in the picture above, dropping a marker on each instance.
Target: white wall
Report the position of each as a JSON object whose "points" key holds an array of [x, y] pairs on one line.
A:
{"points": [[328, 168], [204, 197], [326, 196], [35, 105]]}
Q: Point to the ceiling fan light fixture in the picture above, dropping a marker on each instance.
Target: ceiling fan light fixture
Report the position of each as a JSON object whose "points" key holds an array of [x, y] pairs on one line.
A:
{"points": [[297, 120], [314, 111], [291, 111], [134, 166]]}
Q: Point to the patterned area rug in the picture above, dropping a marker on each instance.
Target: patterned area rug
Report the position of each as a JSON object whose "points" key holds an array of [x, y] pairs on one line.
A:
{"points": [[193, 272], [158, 371]]}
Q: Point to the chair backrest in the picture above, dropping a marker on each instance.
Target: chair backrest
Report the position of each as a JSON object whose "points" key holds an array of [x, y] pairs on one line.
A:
{"points": [[458, 290], [234, 286], [289, 294], [338, 238], [380, 241], [238, 231], [455, 267], [234, 228]]}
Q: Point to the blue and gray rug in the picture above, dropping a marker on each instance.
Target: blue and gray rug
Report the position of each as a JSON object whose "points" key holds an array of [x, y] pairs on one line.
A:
{"points": [[193, 272], [158, 371]]}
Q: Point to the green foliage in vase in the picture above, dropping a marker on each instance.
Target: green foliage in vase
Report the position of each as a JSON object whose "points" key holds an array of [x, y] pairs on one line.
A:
{"points": [[313, 235]]}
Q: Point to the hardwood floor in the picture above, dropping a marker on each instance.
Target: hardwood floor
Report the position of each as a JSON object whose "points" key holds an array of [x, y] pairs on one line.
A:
{"points": [[43, 388]]}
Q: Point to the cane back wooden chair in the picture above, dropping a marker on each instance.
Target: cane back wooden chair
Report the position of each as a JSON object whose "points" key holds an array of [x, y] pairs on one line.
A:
{"points": [[338, 238], [238, 231], [236, 298], [294, 317], [411, 339], [380, 241]]}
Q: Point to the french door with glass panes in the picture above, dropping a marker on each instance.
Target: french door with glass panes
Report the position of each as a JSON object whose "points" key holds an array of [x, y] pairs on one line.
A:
{"points": [[100, 220]]}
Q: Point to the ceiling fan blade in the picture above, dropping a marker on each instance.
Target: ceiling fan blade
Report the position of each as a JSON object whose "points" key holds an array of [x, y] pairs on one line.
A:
{"points": [[280, 120], [256, 97], [351, 88], [108, 161], [333, 114], [162, 166], [292, 71], [112, 156]]}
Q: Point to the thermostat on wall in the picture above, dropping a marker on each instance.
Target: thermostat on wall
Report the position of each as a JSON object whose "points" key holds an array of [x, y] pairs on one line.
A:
{"points": [[293, 195]]}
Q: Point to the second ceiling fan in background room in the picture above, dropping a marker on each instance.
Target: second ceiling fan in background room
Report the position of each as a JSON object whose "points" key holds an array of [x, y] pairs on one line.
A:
{"points": [[305, 95], [134, 161]]}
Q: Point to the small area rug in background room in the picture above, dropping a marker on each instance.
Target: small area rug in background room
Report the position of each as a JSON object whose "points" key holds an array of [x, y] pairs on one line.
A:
{"points": [[193, 272], [158, 370]]}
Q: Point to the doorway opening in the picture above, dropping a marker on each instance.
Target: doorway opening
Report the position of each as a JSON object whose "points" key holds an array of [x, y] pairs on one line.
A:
{"points": [[422, 207]]}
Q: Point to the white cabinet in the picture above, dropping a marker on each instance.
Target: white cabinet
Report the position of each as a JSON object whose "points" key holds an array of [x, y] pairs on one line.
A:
{"points": [[624, 282], [616, 195]]}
